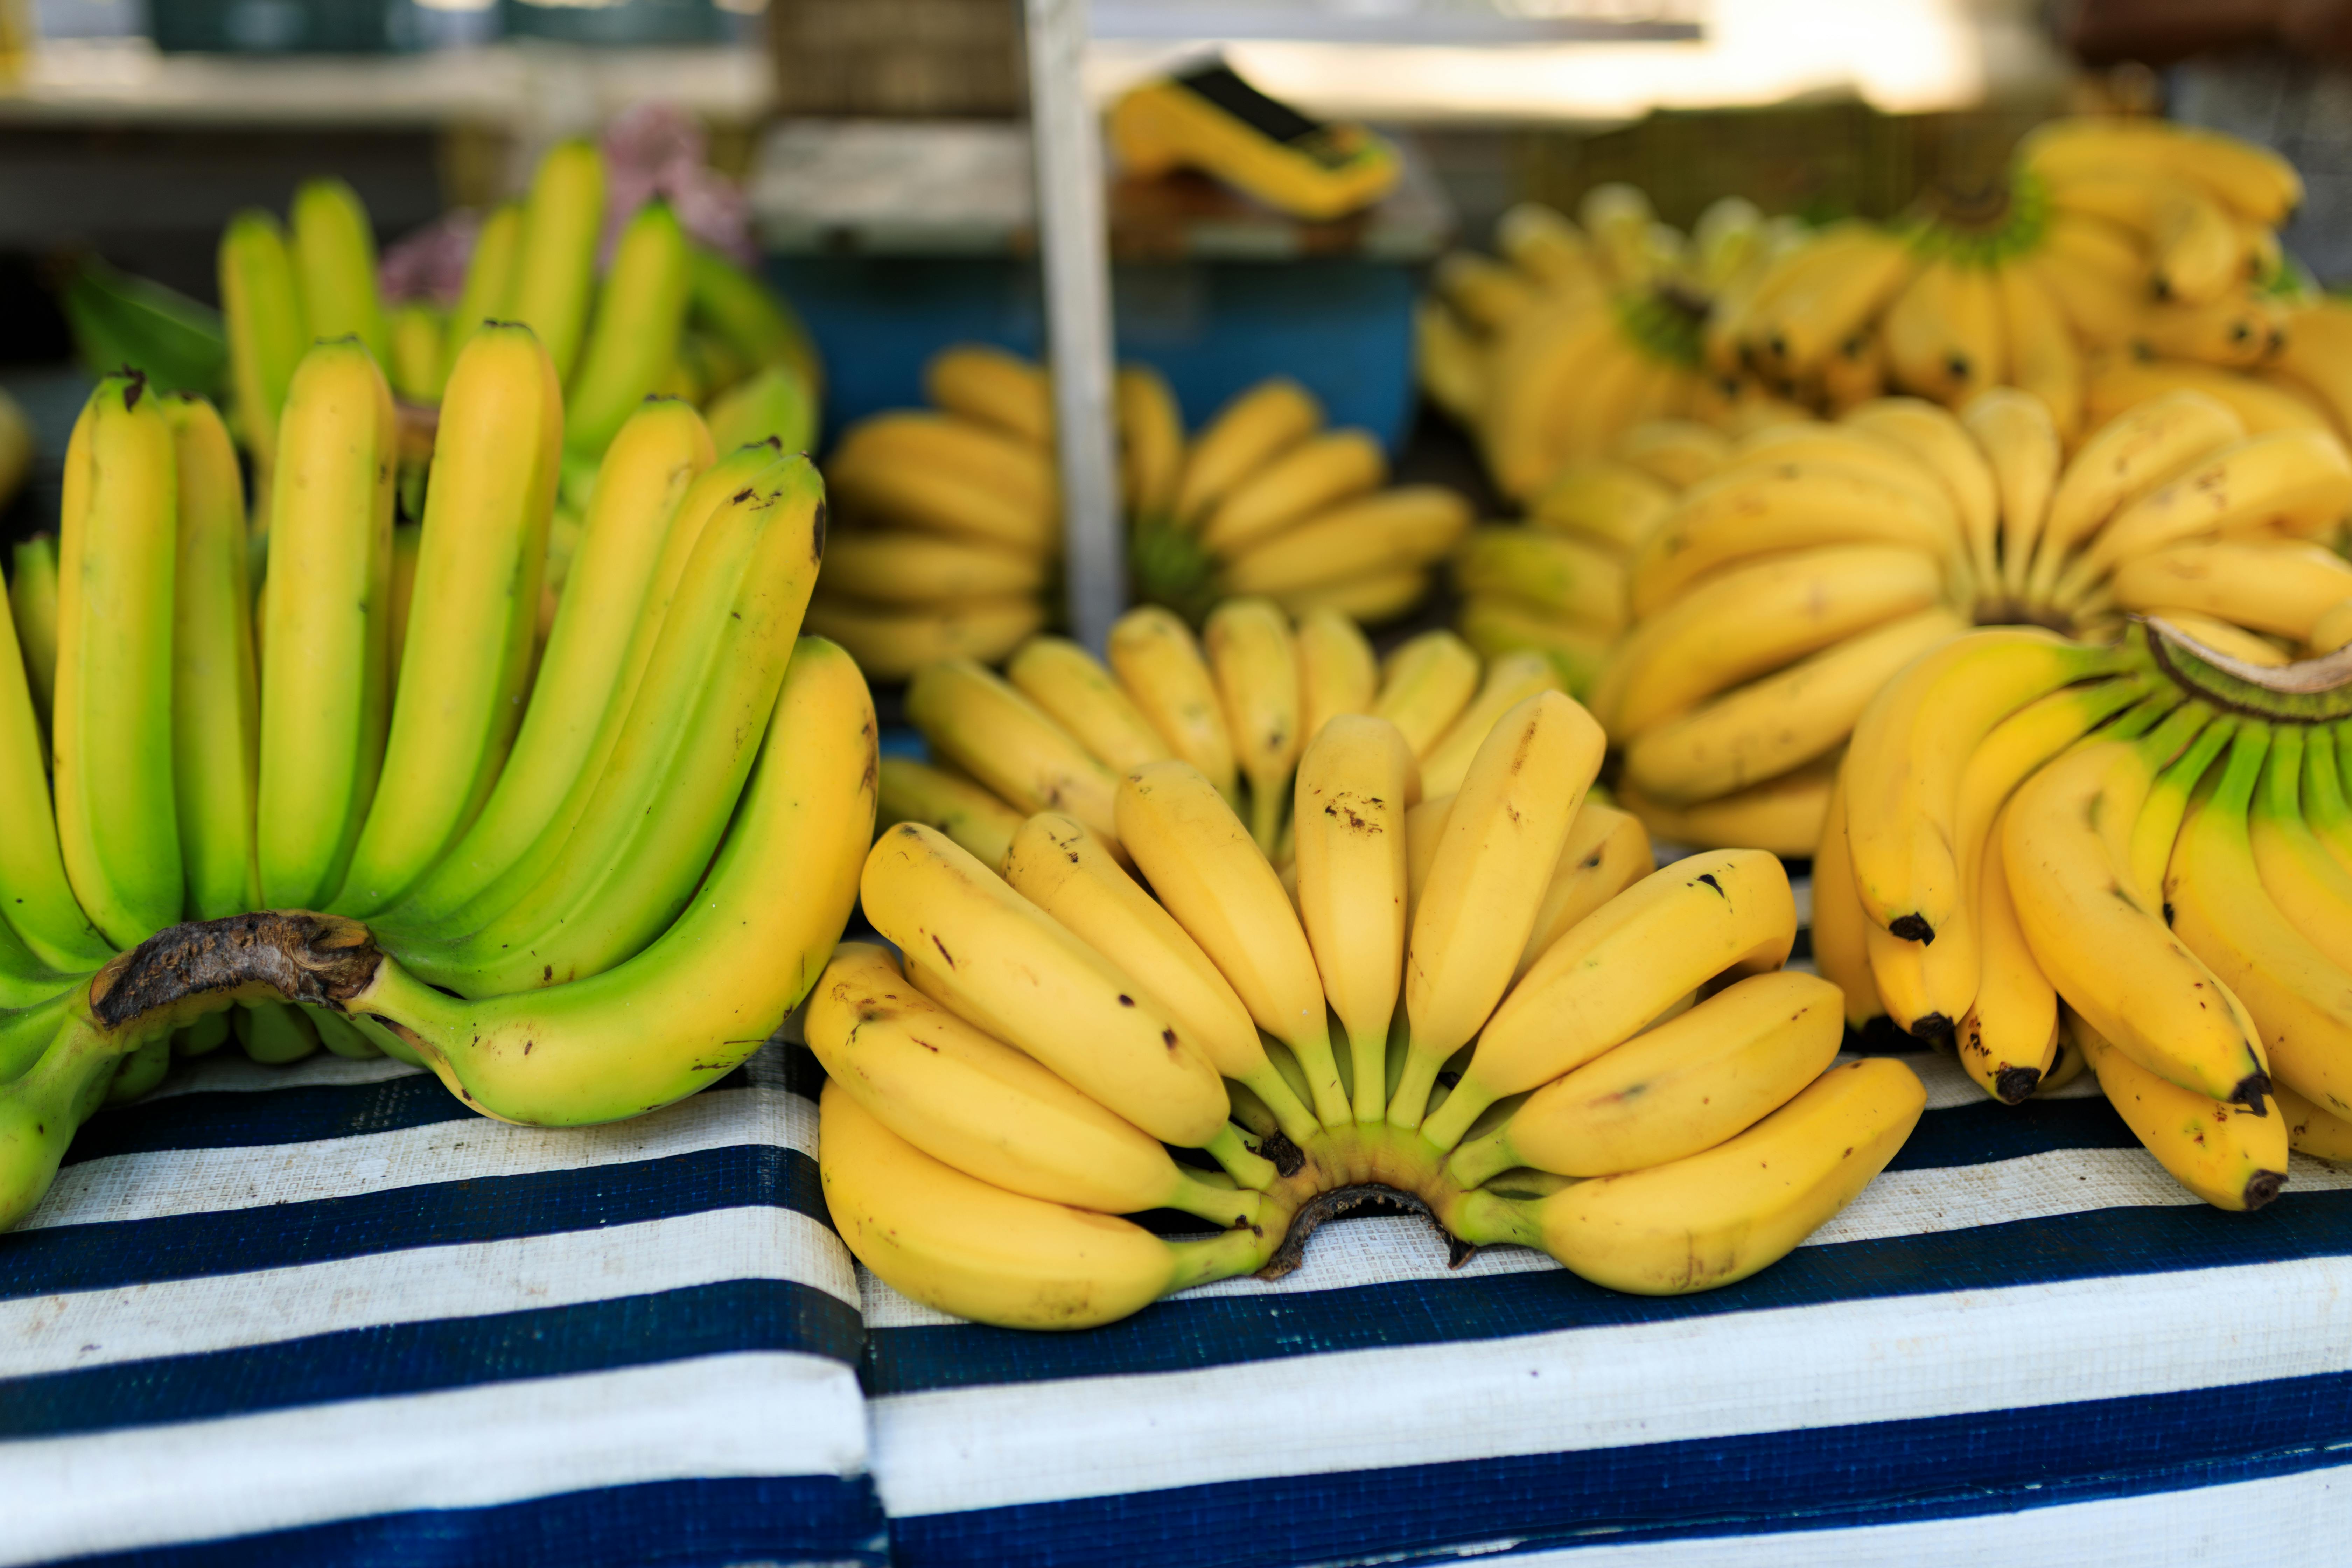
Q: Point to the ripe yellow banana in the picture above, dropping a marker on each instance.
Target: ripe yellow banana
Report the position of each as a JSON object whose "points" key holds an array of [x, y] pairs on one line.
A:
{"points": [[2252, 179], [1940, 443], [216, 689], [2312, 890], [1396, 529], [2009, 1038], [1543, 243], [1489, 294], [956, 1243], [1004, 465], [1608, 501], [2332, 630], [1250, 432], [2043, 359], [1854, 448], [640, 313], [2239, 330], [1371, 597], [1007, 743], [914, 792], [1057, 864], [2127, 457], [2292, 482], [1336, 672], [2119, 381], [2280, 588], [2020, 442], [1943, 332], [42, 914], [974, 1103], [117, 551], [1312, 477], [1678, 453], [1563, 575], [261, 307], [1355, 785], [1711, 1219], [1822, 295], [1151, 442], [1492, 864], [415, 368], [1674, 1091], [1496, 627], [1782, 815], [1450, 361], [774, 402], [1074, 687], [334, 259], [489, 276], [1424, 685], [934, 499], [1723, 911], [1256, 669], [1509, 681], [2311, 1131], [1540, 375], [2231, 1157], [1160, 663], [926, 569], [896, 644], [1839, 927], [998, 389], [554, 267], [1605, 852], [1203, 866]]}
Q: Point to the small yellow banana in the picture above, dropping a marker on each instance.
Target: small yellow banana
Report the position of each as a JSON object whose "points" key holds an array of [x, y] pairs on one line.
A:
{"points": [[1355, 785], [1006, 741], [2231, 1157], [1247, 434], [915, 792], [1160, 663], [1071, 686], [1424, 685], [994, 387], [1394, 530], [1336, 672], [926, 569], [1151, 441], [1318, 474], [1509, 681], [1256, 668], [896, 642]]}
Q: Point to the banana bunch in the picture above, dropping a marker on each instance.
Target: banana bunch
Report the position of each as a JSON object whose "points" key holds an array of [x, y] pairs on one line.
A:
{"points": [[950, 518], [1239, 703], [566, 859], [1769, 603], [1582, 329], [2118, 259], [1485, 1000], [1268, 501], [2052, 856]]}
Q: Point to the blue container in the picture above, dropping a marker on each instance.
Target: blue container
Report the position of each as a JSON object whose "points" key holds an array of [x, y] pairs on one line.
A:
{"points": [[622, 22], [1343, 327]]}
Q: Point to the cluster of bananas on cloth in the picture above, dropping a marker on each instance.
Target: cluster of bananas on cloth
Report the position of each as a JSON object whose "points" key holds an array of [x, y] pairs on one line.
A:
{"points": [[669, 316], [1265, 500], [2050, 855], [950, 519], [1583, 329], [1770, 602], [1057, 730], [2116, 260], [569, 860], [1520, 1026]]}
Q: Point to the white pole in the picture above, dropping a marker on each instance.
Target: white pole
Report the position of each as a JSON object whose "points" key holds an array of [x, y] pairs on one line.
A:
{"points": [[1073, 243]]}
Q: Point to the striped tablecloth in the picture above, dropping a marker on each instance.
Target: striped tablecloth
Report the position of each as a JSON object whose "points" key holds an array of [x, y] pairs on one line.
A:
{"points": [[324, 1314]]}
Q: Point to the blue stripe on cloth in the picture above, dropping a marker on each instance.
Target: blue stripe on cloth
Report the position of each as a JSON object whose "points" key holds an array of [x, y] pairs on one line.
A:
{"points": [[1982, 1133], [679, 1524], [448, 1352], [62, 1259], [1188, 1333], [1880, 1473]]}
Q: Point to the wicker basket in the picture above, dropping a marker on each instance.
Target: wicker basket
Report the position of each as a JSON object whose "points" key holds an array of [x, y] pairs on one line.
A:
{"points": [[905, 59]]}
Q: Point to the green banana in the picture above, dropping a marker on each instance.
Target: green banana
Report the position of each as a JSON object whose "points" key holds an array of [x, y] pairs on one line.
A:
{"points": [[216, 689], [489, 274], [555, 262], [334, 256], [262, 303], [774, 402], [45, 929], [639, 318], [743, 311], [33, 597]]}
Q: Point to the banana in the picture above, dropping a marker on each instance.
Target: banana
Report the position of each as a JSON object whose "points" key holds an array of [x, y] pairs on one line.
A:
{"points": [[415, 368], [1355, 785], [554, 267], [333, 252], [1783, 814], [1316, 474], [1715, 1218], [2218, 635], [1782, 721], [2311, 1131], [2009, 1037], [1160, 663], [1488, 294], [996, 388], [2250, 178], [921, 568], [2279, 588], [474, 615], [2301, 1000], [116, 821], [1252, 431], [1256, 668], [1609, 502], [2238, 332], [1678, 453], [1674, 1091], [1005, 466], [2020, 441], [1756, 618], [1486, 881], [2232, 1158], [1204, 868], [1541, 242], [1940, 443], [913, 791], [896, 643], [1565, 576], [2315, 357], [2044, 361], [1723, 911], [1739, 515], [1823, 295], [640, 312], [622, 874], [2195, 247], [1495, 627], [1450, 361], [2311, 889], [216, 689], [1400, 528], [653, 491], [939, 500], [956, 1243], [2290, 482], [1839, 926], [1855, 374], [489, 276], [2330, 631], [1853, 448], [2198, 739], [1538, 376], [1605, 852], [1943, 332], [974, 1103], [2119, 381], [1425, 684], [1151, 441], [752, 319], [999, 962], [2324, 807], [1371, 597], [1079, 694], [1007, 743], [261, 309], [1057, 864], [1914, 737], [275, 1033], [33, 602], [38, 913], [2127, 457], [1509, 681], [1337, 673]]}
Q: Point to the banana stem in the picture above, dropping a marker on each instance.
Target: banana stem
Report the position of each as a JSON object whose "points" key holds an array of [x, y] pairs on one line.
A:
{"points": [[1330, 1096], [1290, 1114], [1265, 814], [1484, 1219], [1478, 1161], [1227, 1206], [1245, 1164], [1368, 1058], [1219, 1257], [1410, 1103], [1446, 1124]]}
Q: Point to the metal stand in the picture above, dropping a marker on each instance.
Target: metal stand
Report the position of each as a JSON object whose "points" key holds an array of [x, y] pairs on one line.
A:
{"points": [[1074, 243]]}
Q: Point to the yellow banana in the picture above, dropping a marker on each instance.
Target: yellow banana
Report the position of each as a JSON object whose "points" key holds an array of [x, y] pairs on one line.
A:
{"points": [[261, 307], [1839, 927], [2009, 1038], [2292, 482], [996, 388], [334, 256], [1825, 294], [1450, 361], [1610, 501], [2020, 442], [2312, 890], [2120, 382], [2250, 178], [1488, 294], [1256, 668], [1782, 815], [1678, 453], [1715, 1218], [1371, 597], [1424, 685], [2279, 588], [640, 313], [1497, 627], [1396, 529], [2124, 460], [1538, 373], [1605, 852], [937, 501], [1943, 332], [1355, 785], [1543, 243], [1337, 673], [774, 402], [489, 276], [415, 368], [926, 569], [896, 643], [2238, 330], [2043, 360], [216, 689], [1312, 477], [1855, 448], [1492, 864], [1160, 663], [2332, 630], [1563, 575], [1250, 432], [1007, 743], [912, 792], [1151, 441], [1674, 1091], [1203, 868], [974, 1103], [1072, 687], [554, 267], [1939, 442], [2311, 1131], [2231, 1157], [1005, 466], [1509, 681]]}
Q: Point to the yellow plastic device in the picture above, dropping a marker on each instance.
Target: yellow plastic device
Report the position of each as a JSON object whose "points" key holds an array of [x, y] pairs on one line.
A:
{"points": [[1211, 119]]}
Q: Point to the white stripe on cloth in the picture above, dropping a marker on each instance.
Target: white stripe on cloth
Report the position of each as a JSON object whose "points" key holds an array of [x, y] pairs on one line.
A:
{"points": [[751, 1415], [2280, 1521], [229, 1071], [1831, 1364], [42, 1335], [157, 1183]]}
